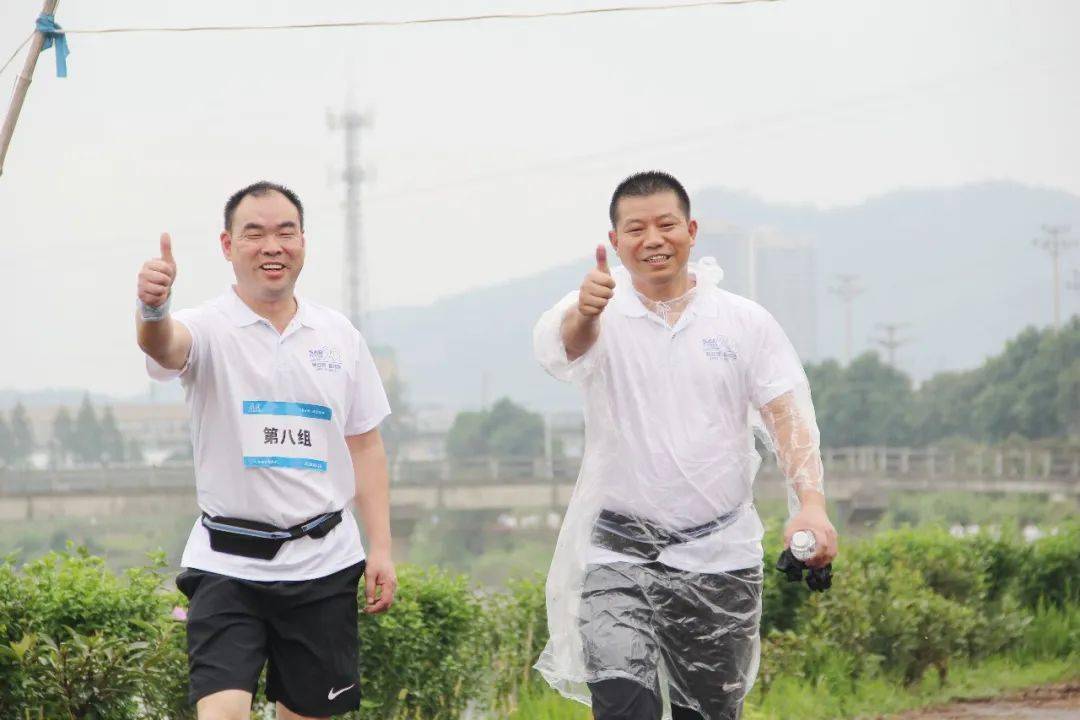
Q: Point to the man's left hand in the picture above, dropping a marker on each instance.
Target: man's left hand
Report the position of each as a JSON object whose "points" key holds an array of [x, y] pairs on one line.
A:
{"points": [[814, 519], [381, 582]]}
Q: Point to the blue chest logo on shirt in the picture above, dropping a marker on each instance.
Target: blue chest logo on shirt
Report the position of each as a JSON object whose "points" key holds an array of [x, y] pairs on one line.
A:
{"points": [[325, 358], [719, 348]]}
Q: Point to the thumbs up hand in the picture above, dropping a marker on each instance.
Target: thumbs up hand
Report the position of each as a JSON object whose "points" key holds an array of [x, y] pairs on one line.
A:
{"points": [[598, 287], [157, 276]]}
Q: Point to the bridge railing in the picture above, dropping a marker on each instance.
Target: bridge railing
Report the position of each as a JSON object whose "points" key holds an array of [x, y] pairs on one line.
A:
{"points": [[484, 470], [931, 463], [916, 464]]}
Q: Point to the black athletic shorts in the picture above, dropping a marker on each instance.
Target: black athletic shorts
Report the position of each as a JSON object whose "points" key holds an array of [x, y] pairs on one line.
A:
{"points": [[305, 629]]}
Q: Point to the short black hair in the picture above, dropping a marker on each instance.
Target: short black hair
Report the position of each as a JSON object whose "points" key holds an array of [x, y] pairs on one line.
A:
{"points": [[647, 183], [258, 190]]}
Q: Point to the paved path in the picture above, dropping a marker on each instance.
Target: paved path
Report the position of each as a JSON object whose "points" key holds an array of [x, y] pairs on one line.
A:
{"points": [[1056, 702]]}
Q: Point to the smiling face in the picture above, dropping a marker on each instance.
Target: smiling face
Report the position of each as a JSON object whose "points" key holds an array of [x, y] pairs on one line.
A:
{"points": [[265, 245], [653, 238]]}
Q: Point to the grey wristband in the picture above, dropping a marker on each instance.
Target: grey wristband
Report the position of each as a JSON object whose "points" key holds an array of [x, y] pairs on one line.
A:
{"points": [[149, 313]]}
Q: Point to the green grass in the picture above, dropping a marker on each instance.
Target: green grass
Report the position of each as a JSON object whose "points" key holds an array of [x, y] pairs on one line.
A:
{"points": [[1049, 652], [838, 699], [542, 703]]}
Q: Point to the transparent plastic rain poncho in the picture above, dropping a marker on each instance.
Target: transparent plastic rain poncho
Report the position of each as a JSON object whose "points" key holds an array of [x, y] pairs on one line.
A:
{"points": [[657, 573]]}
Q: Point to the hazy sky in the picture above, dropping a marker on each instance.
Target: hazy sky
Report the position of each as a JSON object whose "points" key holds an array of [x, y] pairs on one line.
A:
{"points": [[494, 145]]}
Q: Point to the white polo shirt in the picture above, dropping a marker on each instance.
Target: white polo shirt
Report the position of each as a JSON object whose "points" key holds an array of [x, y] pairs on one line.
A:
{"points": [[667, 428], [269, 416]]}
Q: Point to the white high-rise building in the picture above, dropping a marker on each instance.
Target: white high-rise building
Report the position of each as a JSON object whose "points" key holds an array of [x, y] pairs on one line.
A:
{"points": [[784, 272], [775, 269]]}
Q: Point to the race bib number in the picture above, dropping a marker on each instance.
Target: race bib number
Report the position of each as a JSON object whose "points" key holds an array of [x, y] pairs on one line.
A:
{"points": [[284, 434]]}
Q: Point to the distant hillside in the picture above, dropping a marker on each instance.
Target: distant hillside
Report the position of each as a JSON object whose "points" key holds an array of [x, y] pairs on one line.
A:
{"points": [[955, 263]]}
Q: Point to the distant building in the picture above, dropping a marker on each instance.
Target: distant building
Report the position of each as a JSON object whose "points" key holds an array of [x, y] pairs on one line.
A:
{"points": [[156, 427], [771, 268], [784, 272], [426, 441], [730, 245]]}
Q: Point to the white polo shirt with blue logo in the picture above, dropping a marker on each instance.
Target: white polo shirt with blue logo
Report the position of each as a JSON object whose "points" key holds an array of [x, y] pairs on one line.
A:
{"points": [[668, 416], [269, 416]]}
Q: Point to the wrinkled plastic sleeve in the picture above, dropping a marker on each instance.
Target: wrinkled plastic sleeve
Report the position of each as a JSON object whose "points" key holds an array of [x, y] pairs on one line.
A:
{"points": [[550, 350]]}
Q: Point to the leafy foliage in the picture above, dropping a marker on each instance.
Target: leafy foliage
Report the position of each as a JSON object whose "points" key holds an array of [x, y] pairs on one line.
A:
{"points": [[1031, 390], [506, 430], [77, 641]]}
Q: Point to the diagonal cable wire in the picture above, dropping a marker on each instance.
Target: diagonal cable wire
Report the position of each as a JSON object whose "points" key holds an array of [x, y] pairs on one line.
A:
{"points": [[17, 50], [398, 23], [421, 21]]}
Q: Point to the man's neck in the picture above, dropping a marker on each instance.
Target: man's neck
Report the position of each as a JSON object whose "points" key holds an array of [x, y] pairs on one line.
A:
{"points": [[279, 310], [672, 289]]}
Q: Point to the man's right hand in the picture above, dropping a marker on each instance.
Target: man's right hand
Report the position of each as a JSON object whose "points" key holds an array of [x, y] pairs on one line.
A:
{"points": [[168, 342], [157, 276], [598, 287]]}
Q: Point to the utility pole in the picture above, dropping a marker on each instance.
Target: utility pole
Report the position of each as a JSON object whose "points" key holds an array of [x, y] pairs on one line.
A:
{"points": [[847, 288], [352, 174], [1074, 284], [1055, 244], [891, 342], [22, 84]]}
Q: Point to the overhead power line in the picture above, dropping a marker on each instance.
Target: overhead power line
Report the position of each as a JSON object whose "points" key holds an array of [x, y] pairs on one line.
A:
{"points": [[396, 23], [421, 21]]}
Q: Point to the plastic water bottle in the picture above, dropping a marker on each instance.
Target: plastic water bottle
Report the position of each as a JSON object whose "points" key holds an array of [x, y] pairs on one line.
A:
{"points": [[803, 545]]}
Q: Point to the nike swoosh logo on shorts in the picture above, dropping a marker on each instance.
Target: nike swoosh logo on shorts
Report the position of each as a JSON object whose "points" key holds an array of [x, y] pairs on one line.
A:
{"points": [[332, 694]]}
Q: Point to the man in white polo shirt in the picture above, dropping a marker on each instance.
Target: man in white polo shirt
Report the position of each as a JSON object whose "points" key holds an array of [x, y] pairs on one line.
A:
{"points": [[655, 587], [285, 406]]}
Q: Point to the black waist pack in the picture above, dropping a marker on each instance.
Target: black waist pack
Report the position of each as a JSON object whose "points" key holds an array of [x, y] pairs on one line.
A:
{"points": [[261, 541], [643, 538]]}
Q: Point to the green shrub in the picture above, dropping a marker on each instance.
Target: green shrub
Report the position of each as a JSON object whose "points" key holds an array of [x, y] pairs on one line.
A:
{"points": [[76, 641], [517, 632], [1053, 573], [949, 567], [424, 658]]}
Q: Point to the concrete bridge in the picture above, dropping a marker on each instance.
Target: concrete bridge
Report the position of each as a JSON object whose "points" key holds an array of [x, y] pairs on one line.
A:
{"points": [[858, 481]]}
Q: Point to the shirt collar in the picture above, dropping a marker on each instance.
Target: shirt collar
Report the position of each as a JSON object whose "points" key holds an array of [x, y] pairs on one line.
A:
{"points": [[704, 304], [241, 315]]}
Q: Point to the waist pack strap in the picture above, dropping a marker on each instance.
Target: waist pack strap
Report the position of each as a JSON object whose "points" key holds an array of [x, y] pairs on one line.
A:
{"points": [[317, 526], [249, 538], [644, 538]]}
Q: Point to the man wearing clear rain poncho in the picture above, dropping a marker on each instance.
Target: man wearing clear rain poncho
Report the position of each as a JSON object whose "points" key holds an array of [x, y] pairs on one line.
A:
{"points": [[655, 587]]}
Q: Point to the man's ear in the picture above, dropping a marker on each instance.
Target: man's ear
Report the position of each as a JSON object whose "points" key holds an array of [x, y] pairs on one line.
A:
{"points": [[226, 244]]}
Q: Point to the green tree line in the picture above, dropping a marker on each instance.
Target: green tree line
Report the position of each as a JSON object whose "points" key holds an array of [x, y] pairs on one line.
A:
{"points": [[16, 438], [88, 436], [506, 430], [1030, 390]]}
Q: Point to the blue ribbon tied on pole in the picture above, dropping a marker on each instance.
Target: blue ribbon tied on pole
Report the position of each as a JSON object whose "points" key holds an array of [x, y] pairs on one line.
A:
{"points": [[46, 25]]}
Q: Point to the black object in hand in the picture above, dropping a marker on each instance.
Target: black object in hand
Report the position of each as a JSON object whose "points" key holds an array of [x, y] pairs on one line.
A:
{"points": [[817, 579]]}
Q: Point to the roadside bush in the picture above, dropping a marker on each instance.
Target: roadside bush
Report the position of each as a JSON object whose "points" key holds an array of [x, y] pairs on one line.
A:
{"points": [[517, 632], [948, 566], [76, 641], [1052, 575], [425, 657]]}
